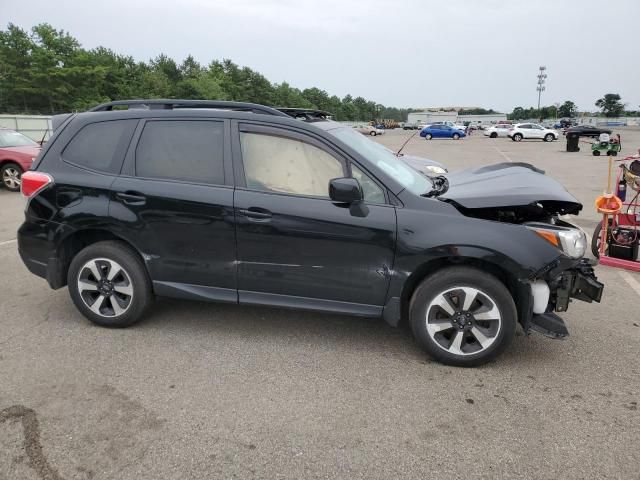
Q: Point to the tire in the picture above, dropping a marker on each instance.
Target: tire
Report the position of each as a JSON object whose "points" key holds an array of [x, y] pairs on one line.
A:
{"points": [[595, 239], [456, 136], [613, 153], [549, 137], [491, 299], [493, 135], [428, 136], [596, 153], [129, 291], [373, 134], [517, 137], [11, 173]]}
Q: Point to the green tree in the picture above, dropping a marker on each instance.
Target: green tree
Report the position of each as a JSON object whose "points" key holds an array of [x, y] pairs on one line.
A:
{"points": [[568, 109], [610, 105], [15, 69]]}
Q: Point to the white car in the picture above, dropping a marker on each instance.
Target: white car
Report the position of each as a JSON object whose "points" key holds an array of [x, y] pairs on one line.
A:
{"points": [[531, 130], [370, 130], [498, 130]]}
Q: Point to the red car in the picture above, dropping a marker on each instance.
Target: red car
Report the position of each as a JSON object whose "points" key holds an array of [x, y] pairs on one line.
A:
{"points": [[17, 153]]}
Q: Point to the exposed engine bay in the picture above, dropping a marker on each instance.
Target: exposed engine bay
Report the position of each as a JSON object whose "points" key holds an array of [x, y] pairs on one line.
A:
{"points": [[523, 193]]}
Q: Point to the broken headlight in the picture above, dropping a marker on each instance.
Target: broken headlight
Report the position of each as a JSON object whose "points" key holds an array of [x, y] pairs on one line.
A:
{"points": [[572, 241]]}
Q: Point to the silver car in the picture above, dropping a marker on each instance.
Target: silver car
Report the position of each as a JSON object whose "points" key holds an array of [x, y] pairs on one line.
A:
{"points": [[369, 130]]}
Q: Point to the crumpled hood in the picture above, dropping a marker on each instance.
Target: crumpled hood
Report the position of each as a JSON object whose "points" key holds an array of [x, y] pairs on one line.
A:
{"points": [[508, 185]]}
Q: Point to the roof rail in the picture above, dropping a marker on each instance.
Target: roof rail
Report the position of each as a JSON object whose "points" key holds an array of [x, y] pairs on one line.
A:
{"points": [[171, 104], [306, 114]]}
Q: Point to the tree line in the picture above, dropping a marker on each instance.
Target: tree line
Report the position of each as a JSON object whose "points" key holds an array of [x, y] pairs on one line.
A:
{"points": [[610, 106], [46, 71]]}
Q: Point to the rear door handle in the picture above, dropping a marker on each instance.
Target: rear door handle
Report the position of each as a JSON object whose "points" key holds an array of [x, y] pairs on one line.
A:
{"points": [[131, 198], [256, 213]]}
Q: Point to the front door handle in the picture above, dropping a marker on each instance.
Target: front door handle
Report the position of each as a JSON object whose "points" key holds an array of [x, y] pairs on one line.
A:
{"points": [[256, 213], [131, 198]]}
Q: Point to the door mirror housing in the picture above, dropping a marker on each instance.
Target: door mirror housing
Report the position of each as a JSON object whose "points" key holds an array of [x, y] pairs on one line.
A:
{"points": [[345, 190]]}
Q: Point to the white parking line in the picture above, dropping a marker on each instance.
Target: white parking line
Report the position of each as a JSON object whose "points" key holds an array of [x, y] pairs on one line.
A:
{"points": [[504, 155], [7, 242], [633, 283]]}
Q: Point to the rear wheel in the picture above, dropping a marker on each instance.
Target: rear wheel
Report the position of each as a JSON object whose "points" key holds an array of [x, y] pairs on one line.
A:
{"points": [[517, 137], [463, 316], [549, 137], [373, 134], [493, 135], [11, 174], [596, 153], [428, 136], [456, 136], [108, 283]]}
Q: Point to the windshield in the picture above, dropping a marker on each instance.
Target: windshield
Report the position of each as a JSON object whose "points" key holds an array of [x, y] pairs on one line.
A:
{"points": [[385, 160], [9, 138]]}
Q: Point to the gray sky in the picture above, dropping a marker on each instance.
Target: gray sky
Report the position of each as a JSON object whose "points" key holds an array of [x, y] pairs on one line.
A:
{"points": [[399, 53]]}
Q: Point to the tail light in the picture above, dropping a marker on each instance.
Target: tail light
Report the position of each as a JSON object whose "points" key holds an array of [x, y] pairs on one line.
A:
{"points": [[34, 182]]}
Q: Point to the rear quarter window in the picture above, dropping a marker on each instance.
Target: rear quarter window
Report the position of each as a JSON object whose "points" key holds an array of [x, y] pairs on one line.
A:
{"points": [[100, 146]]}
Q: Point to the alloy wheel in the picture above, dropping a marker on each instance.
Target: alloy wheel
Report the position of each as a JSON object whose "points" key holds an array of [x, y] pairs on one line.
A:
{"points": [[463, 320], [11, 178], [105, 287]]}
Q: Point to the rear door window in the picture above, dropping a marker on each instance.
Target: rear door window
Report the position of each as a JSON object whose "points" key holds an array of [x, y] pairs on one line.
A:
{"points": [[100, 146], [183, 150]]}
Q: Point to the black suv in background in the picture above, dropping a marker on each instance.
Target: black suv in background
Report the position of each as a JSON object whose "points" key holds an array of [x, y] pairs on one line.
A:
{"points": [[242, 203]]}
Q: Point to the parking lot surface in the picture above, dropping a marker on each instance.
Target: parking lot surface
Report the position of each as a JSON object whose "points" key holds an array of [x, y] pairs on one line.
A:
{"points": [[202, 390]]}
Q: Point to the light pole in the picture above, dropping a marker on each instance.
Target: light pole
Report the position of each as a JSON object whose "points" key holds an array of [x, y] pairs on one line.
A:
{"points": [[541, 79]]}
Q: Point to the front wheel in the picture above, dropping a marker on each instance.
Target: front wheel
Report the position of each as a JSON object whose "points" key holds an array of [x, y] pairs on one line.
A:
{"points": [[428, 136], [456, 136], [109, 284], [596, 153], [373, 134], [549, 137], [463, 316], [493, 135], [11, 174], [517, 137]]}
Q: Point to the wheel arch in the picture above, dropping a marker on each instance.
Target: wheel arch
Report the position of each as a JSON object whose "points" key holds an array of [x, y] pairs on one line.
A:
{"points": [[77, 240], [6, 160], [506, 277]]}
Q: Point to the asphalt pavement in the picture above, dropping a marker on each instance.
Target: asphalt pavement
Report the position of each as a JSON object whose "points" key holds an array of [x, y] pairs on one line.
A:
{"points": [[203, 390]]}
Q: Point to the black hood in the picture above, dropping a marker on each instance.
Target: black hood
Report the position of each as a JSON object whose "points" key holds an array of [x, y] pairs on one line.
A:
{"points": [[508, 185]]}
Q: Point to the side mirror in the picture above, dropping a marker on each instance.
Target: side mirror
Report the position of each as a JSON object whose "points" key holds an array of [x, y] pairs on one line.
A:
{"points": [[345, 190]]}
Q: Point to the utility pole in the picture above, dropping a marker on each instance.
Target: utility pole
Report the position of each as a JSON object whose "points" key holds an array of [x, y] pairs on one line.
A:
{"points": [[541, 79]]}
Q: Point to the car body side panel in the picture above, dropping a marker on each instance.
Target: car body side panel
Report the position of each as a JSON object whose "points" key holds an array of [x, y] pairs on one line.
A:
{"points": [[448, 235]]}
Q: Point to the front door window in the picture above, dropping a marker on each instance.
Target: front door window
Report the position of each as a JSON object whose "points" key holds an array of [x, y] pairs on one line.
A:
{"points": [[285, 165]]}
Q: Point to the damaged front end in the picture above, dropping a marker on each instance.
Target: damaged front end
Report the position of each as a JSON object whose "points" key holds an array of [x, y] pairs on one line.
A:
{"points": [[521, 194], [551, 290]]}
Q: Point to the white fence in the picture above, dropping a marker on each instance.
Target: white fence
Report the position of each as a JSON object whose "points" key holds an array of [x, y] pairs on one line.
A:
{"points": [[36, 127]]}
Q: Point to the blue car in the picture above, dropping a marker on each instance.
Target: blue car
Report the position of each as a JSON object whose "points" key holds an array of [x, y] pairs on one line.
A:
{"points": [[441, 131]]}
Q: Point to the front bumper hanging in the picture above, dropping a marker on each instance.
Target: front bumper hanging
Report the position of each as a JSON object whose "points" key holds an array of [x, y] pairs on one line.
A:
{"points": [[579, 282]]}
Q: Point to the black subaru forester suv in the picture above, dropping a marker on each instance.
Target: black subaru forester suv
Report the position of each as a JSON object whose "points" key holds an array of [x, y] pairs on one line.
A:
{"points": [[243, 203]]}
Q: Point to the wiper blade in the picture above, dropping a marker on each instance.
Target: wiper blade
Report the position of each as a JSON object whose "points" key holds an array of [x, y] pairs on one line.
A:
{"points": [[440, 186]]}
